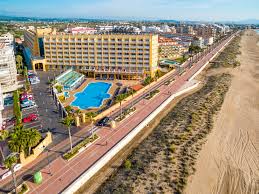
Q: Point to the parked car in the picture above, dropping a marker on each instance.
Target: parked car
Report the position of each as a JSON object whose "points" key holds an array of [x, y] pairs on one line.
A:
{"points": [[17, 167], [5, 175], [29, 104], [26, 97], [8, 123], [30, 118], [34, 80], [103, 121]]}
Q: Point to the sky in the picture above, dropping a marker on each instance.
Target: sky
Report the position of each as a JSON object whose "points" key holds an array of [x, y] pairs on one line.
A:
{"points": [[209, 10]]}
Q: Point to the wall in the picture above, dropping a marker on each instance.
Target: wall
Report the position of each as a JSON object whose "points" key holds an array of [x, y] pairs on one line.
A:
{"points": [[37, 150]]}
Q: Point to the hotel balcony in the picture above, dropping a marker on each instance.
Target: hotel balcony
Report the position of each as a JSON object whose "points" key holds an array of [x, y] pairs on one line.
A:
{"points": [[122, 71]]}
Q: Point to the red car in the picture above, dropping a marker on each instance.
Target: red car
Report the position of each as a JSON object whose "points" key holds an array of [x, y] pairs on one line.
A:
{"points": [[30, 118]]}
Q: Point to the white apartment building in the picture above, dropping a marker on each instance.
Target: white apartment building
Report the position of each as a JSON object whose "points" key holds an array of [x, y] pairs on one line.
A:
{"points": [[8, 71], [208, 41], [81, 30], [198, 41]]}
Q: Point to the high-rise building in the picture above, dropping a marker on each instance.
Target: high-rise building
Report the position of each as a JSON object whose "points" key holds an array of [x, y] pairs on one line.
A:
{"points": [[124, 56], [206, 31], [8, 72]]}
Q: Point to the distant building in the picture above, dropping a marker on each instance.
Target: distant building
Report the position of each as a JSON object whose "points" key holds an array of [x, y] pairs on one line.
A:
{"points": [[8, 72], [165, 28], [105, 28], [188, 30], [206, 31], [81, 30], [180, 30], [208, 40], [153, 29], [170, 49], [173, 30], [198, 41]]}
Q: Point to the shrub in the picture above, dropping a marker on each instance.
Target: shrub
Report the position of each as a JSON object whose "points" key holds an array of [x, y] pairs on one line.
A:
{"points": [[24, 188], [76, 148], [127, 164]]}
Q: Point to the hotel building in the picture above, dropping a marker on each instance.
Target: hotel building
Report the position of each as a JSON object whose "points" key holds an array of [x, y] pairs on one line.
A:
{"points": [[118, 56], [8, 72]]}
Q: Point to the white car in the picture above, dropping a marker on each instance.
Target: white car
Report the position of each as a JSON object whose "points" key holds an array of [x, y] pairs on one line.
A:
{"points": [[17, 167], [5, 175]]}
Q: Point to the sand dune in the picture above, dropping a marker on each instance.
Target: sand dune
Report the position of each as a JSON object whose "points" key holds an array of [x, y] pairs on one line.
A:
{"points": [[229, 160]]}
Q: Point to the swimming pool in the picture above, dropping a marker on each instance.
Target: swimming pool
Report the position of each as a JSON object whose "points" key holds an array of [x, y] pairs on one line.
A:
{"points": [[92, 96]]}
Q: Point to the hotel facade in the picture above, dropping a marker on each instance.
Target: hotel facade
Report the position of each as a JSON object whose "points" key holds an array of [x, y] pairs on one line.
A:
{"points": [[116, 56]]}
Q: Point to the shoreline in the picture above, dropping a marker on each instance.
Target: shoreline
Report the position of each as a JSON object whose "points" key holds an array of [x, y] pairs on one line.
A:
{"points": [[231, 149]]}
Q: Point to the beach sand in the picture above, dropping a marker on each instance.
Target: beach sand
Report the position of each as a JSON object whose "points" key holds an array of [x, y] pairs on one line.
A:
{"points": [[229, 160]]}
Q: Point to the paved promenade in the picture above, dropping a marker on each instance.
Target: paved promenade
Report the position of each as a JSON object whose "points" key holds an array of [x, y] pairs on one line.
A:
{"points": [[64, 172]]}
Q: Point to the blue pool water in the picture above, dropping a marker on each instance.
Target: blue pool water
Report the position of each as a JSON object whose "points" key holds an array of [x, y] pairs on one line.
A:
{"points": [[92, 96]]}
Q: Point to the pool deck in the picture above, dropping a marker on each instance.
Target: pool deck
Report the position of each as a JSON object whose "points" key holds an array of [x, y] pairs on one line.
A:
{"points": [[87, 81]]}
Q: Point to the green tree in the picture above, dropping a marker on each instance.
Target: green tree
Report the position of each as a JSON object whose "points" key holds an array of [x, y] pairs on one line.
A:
{"points": [[9, 163], [17, 141], [19, 60], [23, 139], [16, 107], [3, 136], [148, 80], [27, 82], [68, 109], [91, 115], [119, 99], [33, 138], [78, 112], [68, 121]]}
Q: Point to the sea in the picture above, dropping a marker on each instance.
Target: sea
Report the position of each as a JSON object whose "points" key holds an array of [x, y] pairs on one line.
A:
{"points": [[257, 31]]}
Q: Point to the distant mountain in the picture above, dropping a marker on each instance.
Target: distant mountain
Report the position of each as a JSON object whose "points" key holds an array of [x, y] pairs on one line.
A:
{"points": [[38, 19], [249, 21]]}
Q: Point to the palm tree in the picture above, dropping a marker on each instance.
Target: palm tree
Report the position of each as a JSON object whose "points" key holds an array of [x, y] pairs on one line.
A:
{"points": [[131, 93], [9, 163], [78, 112], [17, 141], [91, 115], [34, 138], [119, 99], [68, 122], [3, 136]]}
